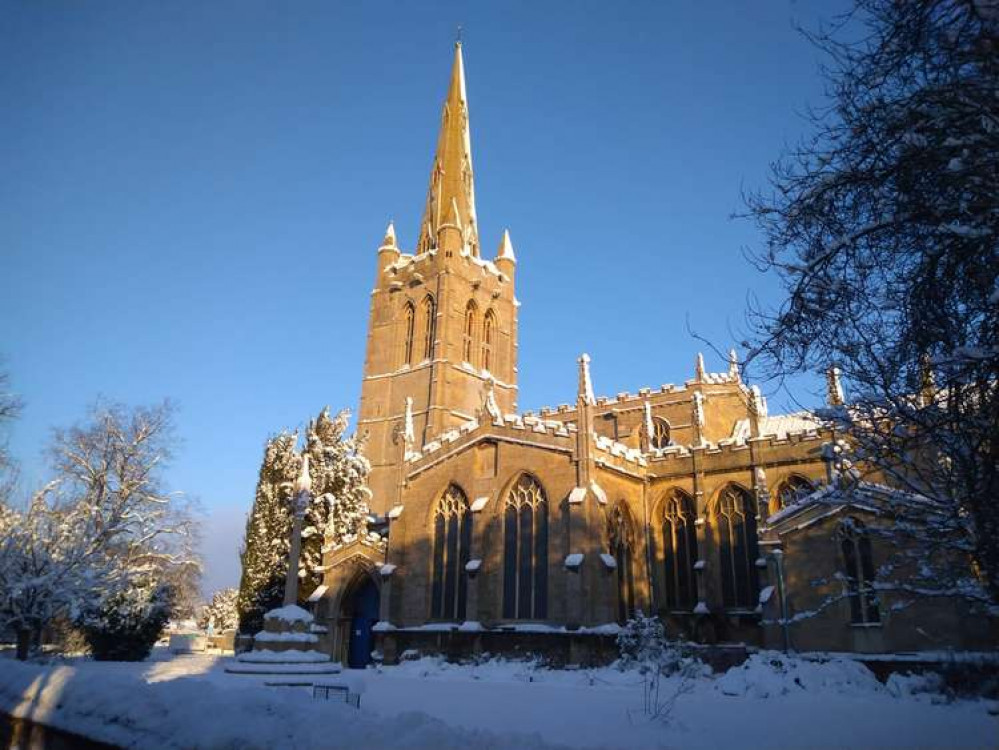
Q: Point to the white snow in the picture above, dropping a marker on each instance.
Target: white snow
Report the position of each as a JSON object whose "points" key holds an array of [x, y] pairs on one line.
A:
{"points": [[772, 701], [608, 560], [269, 637], [289, 613], [574, 560], [266, 656]]}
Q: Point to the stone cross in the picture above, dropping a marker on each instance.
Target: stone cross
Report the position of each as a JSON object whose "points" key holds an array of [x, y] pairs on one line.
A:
{"points": [[300, 501]]}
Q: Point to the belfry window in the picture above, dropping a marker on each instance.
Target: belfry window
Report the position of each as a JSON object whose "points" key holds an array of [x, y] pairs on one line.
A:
{"points": [[452, 542], [488, 331], [468, 339], [525, 551], [856, 546], [739, 548], [621, 537], [679, 551], [430, 324], [660, 437], [409, 326]]}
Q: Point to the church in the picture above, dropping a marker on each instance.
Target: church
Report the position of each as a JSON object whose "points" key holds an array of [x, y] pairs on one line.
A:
{"points": [[516, 532]]}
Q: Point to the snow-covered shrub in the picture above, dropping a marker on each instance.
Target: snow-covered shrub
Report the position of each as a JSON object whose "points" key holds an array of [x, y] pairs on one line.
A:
{"points": [[643, 645], [906, 685], [220, 613], [126, 624], [770, 674]]}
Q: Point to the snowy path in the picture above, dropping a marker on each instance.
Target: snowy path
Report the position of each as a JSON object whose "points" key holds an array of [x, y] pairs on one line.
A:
{"points": [[189, 701]]}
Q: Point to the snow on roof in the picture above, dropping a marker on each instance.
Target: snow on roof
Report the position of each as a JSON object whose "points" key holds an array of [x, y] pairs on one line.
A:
{"points": [[479, 503], [779, 425], [867, 495], [318, 593]]}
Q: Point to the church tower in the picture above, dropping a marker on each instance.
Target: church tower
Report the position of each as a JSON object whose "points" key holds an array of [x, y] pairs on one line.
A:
{"points": [[443, 320]]}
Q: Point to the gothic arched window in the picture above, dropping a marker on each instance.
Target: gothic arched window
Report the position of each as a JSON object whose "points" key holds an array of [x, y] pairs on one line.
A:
{"points": [[409, 327], [488, 332], [790, 491], [430, 325], [660, 433], [525, 551], [739, 548], [468, 338], [452, 541], [856, 545], [621, 538], [679, 551]]}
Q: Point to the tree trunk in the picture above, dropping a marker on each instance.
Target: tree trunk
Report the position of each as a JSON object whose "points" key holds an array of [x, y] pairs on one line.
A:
{"points": [[23, 643]]}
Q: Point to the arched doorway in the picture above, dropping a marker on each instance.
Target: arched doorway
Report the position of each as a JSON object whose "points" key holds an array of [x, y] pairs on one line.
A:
{"points": [[361, 607]]}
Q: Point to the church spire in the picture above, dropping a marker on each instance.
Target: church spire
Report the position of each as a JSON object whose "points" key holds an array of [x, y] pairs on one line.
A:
{"points": [[451, 176]]}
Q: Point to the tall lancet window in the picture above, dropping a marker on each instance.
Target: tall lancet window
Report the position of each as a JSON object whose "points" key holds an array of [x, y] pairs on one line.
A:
{"points": [[429, 326], [739, 548], [409, 328], [452, 542], [468, 337], [525, 551], [621, 540], [679, 551], [859, 566], [488, 332]]}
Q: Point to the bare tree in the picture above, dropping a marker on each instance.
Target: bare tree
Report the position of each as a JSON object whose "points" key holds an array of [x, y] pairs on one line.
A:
{"points": [[10, 409], [884, 229]]}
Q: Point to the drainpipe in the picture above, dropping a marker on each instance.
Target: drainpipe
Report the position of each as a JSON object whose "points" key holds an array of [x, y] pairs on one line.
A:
{"points": [[778, 557]]}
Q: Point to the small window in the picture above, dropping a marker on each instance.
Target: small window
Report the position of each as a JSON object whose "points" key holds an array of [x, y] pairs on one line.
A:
{"points": [[430, 324], [488, 331], [790, 491], [409, 326], [660, 433], [859, 573], [468, 341]]}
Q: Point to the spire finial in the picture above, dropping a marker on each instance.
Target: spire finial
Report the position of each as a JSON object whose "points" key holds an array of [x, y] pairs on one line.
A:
{"points": [[834, 387], [699, 367], [389, 240], [457, 36], [585, 383], [506, 248]]}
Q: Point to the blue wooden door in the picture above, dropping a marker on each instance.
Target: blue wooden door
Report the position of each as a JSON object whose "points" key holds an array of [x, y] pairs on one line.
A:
{"points": [[365, 616]]}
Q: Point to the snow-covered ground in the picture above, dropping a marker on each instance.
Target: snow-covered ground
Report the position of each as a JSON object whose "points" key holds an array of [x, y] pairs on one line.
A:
{"points": [[189, 701]]}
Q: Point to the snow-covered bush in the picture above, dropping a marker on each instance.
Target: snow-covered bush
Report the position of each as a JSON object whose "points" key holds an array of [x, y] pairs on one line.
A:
{"points": [[126, 625], [770, 674], [220, 613], [643, 645]]}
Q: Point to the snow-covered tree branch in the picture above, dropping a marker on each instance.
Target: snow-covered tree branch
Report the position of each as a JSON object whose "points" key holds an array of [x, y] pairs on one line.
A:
{"points": [[884, 229]]}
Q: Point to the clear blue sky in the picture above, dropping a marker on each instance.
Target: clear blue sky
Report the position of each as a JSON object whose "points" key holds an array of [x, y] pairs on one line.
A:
{"points": [[192, 194]]}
